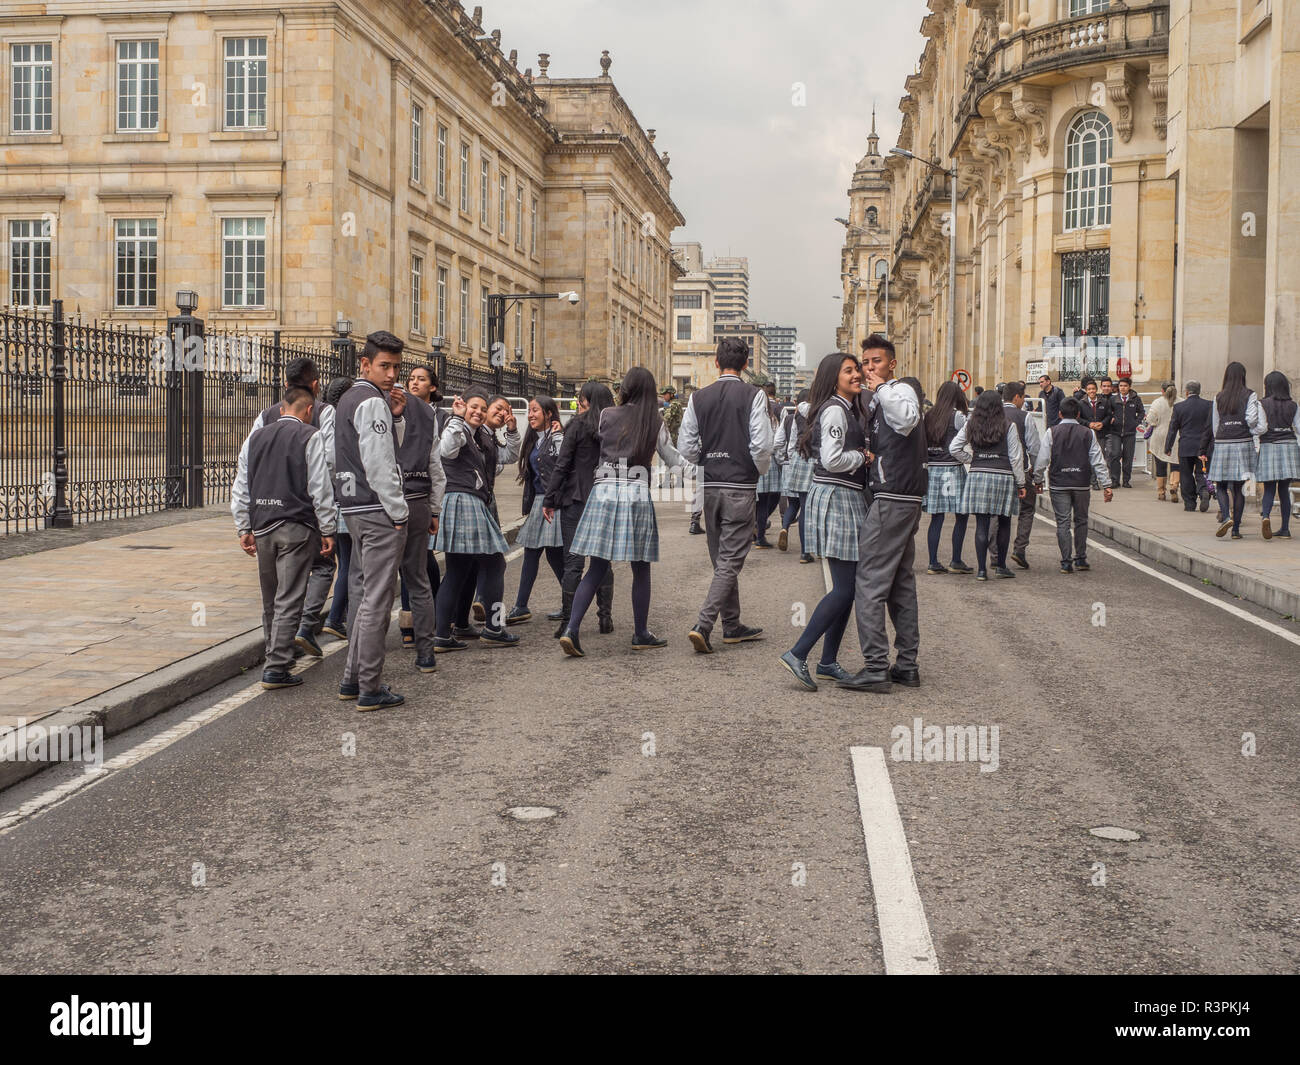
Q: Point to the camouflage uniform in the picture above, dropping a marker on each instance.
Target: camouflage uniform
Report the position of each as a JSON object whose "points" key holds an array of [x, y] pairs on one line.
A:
{"points": [[672, 415]]}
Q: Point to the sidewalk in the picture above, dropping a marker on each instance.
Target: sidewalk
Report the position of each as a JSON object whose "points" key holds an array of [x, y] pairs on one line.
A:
{"points": [[113, 631], [1263, 572]]}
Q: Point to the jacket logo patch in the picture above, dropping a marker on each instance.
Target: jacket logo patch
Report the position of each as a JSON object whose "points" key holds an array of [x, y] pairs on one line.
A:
{"points": [[836, 432], [378, 427]]}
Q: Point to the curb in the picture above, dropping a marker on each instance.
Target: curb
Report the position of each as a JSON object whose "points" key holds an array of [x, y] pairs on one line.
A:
{"points": [[1193, 563], [118, 709]]}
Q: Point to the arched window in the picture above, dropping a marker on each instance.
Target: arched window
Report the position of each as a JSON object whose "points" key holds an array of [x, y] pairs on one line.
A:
{"points": [[873, 217], [1087, 171]]}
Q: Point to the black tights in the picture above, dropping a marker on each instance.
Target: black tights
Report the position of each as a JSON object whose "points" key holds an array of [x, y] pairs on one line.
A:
{"points": [[492, 579], [1282, 491], [831, 615], [767, 503], [596, 570], [959, 522], [982, 539], [1235, 489], [532, 563]]}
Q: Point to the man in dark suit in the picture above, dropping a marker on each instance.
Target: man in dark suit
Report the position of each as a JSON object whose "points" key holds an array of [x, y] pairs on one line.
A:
{"points": [[1191, 423], [1051, 396]]}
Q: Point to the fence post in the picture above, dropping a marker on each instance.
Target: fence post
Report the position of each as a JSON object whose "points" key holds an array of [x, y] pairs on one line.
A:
{"points": [[195, 379], [184, 481], [62, 516]]}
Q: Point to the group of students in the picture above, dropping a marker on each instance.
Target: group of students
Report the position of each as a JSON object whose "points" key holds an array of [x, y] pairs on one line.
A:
{"points": [[382, 478]]}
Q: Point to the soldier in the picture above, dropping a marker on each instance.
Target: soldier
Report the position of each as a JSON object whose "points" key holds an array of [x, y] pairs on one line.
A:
{"points": [[672, 412]]}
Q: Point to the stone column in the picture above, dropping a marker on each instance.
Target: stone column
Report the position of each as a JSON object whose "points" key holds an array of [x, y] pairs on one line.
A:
{"points": [[1282, 300]]}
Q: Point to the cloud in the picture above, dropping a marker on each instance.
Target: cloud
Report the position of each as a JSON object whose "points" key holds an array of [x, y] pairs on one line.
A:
{"points": [[753, 173]]}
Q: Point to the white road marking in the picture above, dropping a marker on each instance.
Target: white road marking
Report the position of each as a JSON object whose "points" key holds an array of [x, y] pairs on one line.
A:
{"points": [[904, 934], [1195, 593]]}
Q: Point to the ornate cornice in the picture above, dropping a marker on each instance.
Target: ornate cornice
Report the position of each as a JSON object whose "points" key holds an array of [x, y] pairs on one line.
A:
{"points": [[1032, 106], [1119, 85]]}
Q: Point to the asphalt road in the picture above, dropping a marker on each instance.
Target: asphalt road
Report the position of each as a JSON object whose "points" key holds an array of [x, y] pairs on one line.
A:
{"points": [[400, 857]]}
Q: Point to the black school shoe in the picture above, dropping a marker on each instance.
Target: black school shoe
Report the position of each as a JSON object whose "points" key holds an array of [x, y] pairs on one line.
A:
{"points": [[606, 626], [805, 558], [1002, 571], [466, 632], [741, 634], [447, 643], [700, 641], [306, 641], [695, 529], [1081, 564], [936, 569], [347, 692], [555, 615], [1067, 567], [959, 567], [834, 671], [647, 641], [427, 665], [518, 615], [909, 678], [279, 678], [384, 698], [498, 638], [798, 668], [1019, 560], [570, 645], [869, 680]]}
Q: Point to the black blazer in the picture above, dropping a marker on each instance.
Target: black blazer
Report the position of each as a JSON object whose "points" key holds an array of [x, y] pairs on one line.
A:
{"points": [[1193, 425], [1096, 412], [546, 459], [575, 470]]}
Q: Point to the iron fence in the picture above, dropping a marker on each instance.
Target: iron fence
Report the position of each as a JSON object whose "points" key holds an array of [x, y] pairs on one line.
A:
{"points": [[110, 421]]}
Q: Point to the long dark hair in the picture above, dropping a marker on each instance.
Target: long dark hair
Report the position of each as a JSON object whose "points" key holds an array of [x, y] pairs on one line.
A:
{"points": [[643, 422], [598, 397], [1277, 399], [1232, 396], [823, 388], [949, 398], [333, 391], [988, 424], [552, 414]]}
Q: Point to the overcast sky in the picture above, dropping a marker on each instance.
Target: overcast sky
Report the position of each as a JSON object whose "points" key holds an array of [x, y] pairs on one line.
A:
{"points": [[754, 174]]}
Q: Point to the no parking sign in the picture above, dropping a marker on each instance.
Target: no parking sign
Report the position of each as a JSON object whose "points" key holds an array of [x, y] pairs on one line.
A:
{"points": [[963, 379]]}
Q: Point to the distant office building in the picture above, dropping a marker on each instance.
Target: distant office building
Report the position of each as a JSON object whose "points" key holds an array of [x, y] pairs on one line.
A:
{"points": [[731, 277], [752, 334], [781, 346]]}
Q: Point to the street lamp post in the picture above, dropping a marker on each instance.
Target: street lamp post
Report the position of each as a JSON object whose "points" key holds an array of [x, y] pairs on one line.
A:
{"points": [[497, 304], [952, 253]]}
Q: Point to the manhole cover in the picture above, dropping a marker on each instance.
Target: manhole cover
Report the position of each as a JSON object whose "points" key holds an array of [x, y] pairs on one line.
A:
{"points": [[531, 813], [1111, 832]]}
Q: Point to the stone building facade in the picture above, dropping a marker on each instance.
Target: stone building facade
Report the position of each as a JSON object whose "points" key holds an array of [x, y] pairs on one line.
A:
{"points": [[1053, 115], [694, 298], [295, 164]]}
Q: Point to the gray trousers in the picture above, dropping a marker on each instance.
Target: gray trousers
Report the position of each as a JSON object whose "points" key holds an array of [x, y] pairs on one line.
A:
{"points": [[415, 571], [372, 581], [1025, 523], [886, 550], [729, 528], [284, 558], [1071, 508], [318, 590]]}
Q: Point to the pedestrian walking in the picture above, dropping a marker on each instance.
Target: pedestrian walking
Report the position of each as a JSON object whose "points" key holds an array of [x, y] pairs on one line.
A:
{"points": [[469, 535], [1071, 458], [1154, 429], [283, 508], [796, 474], [368, 484], [946, 480], [835, 442], [1236, 418], [336, 624], [989, 442], [539, 535], [1051, 397], [1191, 424], [422, 386], [1279, 452], [1127, 413], [1013, 406], [618, 523], [727, 433], [415, 428], [768, 489], [567, 492]]}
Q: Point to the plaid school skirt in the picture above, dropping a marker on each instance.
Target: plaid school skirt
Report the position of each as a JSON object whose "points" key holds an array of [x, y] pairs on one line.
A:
{"points": [[770, 482], [537, 531], [796, 476], [618, 523], [1278, 461], [944, 490], [833, 516], [1233, 460], [989, 493], [466, 527]]}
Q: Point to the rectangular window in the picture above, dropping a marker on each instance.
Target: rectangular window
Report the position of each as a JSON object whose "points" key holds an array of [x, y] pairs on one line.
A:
{"points": [[532, 226], [519, 216], [464, 310], [442, 162], [245, 87], [243, 262], [417, 294], [484, 192], [688, 300], [464, 177], [137, 85], [683, 327], [32, 77], [1085, 294], [417, 143], [135, 258], [29, 262], [483, 317], [636, 253], [501, 204], [442, 302]]}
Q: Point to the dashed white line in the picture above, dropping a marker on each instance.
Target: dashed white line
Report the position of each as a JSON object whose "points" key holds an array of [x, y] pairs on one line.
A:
{"points": [[904, 933]]}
